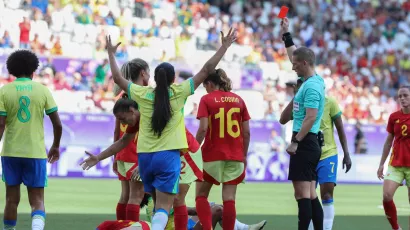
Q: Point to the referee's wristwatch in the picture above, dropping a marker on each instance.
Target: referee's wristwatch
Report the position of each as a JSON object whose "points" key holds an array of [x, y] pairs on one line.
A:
{"points": [[294, 140]]}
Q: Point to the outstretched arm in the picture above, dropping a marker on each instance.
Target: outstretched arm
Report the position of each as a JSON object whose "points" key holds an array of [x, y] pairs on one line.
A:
{"points": [[211, 64], [116, 73], [110, 151]]}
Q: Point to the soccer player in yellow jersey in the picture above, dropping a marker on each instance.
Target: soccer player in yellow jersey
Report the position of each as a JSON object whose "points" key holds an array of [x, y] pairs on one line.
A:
{"points": [[327, 167], [162, 128], [24, 158]]}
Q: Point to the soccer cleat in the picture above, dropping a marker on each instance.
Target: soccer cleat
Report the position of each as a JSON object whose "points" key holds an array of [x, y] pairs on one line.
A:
{"points": [[258, 226]]}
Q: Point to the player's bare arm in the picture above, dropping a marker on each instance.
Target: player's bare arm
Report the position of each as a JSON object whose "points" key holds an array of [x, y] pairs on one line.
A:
{"points": [[116, 138], [287, 114], [211, 64], [347, 162], [54, 152], [284, 24], [203, 127], [246, 138], [386, 150], [116, 73], [92, 160]]}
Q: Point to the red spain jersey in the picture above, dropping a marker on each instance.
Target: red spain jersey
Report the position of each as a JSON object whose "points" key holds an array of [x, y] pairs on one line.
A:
{"points": [[193, 145], [398, 125], [226, 112], [122, 224], [129, 153]]}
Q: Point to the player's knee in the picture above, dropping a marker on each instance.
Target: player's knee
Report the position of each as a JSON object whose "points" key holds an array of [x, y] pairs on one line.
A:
{"points": [[13, 200], [179, 201], [327, 196], [387, 196]]}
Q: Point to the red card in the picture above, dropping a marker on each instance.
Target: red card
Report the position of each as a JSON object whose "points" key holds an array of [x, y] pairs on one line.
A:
{"points": [[283, 12]]}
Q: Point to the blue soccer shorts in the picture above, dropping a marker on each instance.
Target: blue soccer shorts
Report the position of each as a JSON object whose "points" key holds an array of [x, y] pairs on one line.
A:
{"points": [[160, 170], [31, 172], [327, 170]]}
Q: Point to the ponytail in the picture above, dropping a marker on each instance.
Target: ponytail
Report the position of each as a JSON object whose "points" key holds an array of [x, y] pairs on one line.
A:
{"points": [[164, 76], [220, 79], [131, 71]]}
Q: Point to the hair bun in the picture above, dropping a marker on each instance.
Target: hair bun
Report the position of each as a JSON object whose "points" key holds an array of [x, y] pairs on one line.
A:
{"points": [[124, 95]]}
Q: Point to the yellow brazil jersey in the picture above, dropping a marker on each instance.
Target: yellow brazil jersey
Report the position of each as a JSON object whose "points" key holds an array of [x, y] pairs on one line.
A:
{"points": [[24, 103], [330, 113], [173, 136]]}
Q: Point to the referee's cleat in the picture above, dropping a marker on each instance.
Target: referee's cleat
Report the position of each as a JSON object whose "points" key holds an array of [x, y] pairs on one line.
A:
{"points": [[258, 226]]}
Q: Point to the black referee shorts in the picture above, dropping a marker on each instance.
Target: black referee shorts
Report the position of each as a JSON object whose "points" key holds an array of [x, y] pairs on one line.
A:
{"points": [[302, 165]]}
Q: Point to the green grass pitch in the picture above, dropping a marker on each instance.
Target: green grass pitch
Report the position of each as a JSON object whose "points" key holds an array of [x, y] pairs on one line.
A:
{"points": [[81, 204]]}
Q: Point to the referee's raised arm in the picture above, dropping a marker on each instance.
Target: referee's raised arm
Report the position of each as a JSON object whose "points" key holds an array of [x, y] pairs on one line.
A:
{"points": [[305, 149], [287, 38]]}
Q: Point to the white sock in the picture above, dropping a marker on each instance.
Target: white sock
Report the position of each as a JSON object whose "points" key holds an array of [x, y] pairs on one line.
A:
{"points": [[311, 225], [37, 222], [328, 216], [160, 220], [240, 226]]}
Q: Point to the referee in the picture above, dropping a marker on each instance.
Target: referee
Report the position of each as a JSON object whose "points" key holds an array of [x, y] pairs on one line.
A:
{"points": [[304, 149]]}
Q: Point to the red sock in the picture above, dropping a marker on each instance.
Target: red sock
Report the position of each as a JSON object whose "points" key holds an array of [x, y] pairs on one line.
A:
{"points": [[203, 210], [391, 213], [133, 212], [121, 211], [181, 217], [229, 215]]}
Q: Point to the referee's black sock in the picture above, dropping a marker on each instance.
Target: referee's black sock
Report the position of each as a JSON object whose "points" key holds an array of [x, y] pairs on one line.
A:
{"points": [[317, 214], [305, 213]]}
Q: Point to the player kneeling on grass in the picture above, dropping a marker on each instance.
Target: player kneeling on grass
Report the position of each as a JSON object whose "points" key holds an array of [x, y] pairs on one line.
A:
{"points": [[224, 124], [193, 221], [22, 106], [399, 164]]}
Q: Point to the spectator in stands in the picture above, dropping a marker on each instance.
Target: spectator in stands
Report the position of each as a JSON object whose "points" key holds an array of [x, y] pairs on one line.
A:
{"points": [[78, 84], [101, 72], [85, 73], [36, 45], [57, 49], [60, 82], [25, 28], [360, 142], [6, 42], [49, 64]]}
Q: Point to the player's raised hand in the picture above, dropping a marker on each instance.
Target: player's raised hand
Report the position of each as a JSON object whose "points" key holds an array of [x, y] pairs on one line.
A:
{"points": [[380, 172], [135, 174], [284, 25], [90, 162], [53, 154], [110, 47], [347, 162], [229, 38]]}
